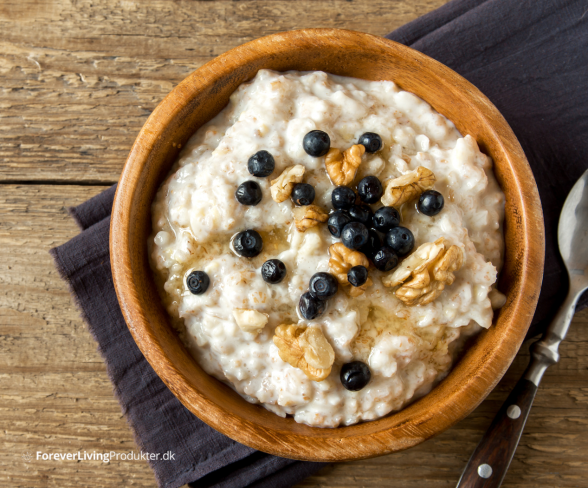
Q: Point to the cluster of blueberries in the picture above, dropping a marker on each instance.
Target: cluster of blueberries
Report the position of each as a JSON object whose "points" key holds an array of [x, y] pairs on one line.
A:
{"points": [[377, 234]]}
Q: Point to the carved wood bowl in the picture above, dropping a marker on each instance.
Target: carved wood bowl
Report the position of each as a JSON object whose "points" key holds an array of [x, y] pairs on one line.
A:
{"points": [[199, 98]]}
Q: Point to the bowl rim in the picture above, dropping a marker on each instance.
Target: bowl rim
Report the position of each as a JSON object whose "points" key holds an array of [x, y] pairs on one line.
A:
{"points": [[411, 425]]}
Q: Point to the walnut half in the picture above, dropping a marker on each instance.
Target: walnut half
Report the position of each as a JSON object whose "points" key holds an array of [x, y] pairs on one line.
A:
{"points": [[424, 274], [309, 216], [305, 348], [408, 186], [342, 260], [281, 187], [342, 166]]}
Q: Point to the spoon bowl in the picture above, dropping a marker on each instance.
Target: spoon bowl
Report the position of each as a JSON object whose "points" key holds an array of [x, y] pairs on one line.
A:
{"points": [[572, 234]]}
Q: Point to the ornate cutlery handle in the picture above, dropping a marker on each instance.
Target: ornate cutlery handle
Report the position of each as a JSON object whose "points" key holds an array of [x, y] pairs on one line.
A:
{"points": [[491, 459]]}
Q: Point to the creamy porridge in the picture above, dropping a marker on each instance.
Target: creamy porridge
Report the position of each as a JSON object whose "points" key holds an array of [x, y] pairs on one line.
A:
{"points": [[380, 323]]}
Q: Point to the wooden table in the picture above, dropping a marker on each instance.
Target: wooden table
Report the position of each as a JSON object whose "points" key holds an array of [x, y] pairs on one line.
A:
{"points": [[78, 80]]}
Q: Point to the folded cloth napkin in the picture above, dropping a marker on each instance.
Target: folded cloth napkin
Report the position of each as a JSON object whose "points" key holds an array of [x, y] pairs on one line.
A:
{"points": [[530, 58]]}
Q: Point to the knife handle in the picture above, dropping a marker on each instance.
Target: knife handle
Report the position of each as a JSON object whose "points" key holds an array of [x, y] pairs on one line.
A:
{"points": [[491, 459]]}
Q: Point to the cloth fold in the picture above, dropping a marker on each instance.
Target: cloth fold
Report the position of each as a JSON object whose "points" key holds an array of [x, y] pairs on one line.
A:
{"points": [[529, 57]]}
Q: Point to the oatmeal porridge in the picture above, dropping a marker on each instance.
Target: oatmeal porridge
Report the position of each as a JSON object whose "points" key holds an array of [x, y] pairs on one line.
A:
{"points": [[325, 245]]}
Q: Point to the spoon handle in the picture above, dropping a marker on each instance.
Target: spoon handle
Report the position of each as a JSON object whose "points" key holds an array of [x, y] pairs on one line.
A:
{"points": [[491, 459]]}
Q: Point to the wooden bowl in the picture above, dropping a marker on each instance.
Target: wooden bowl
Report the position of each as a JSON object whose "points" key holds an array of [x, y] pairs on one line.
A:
{"points": [[199, 98]]}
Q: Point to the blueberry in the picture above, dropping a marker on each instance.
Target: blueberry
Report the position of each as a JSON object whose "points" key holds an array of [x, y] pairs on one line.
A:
{"points": [[385, 218], [355, 375], [373, 244], [197, 282], [343, 197], [362, 214], [430, 203], [401, 240], [248, 193], [303, 194], [248, 243], [323, 285], [316, 143], [261, 164], [370, 189], [354, 235], [385, 259], [371, 141], [337, 220], [273, 271], [310, 306], [357, 275]]}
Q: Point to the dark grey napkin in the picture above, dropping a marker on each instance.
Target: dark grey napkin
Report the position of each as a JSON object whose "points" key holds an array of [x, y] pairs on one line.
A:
{"points": [[530, 58]]}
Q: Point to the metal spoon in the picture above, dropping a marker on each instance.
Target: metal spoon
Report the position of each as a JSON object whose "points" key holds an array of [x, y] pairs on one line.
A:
{"points": [[491, 459]]}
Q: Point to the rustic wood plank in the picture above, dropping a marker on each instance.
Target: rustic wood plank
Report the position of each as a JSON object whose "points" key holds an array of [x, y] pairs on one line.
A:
{"points": [[55, 395], [79, 79]]}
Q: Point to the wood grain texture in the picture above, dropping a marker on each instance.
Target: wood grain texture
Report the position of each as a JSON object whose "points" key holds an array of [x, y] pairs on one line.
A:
{"points": [[75, 91], [55, 395], [80, 78], [200, 97]]}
